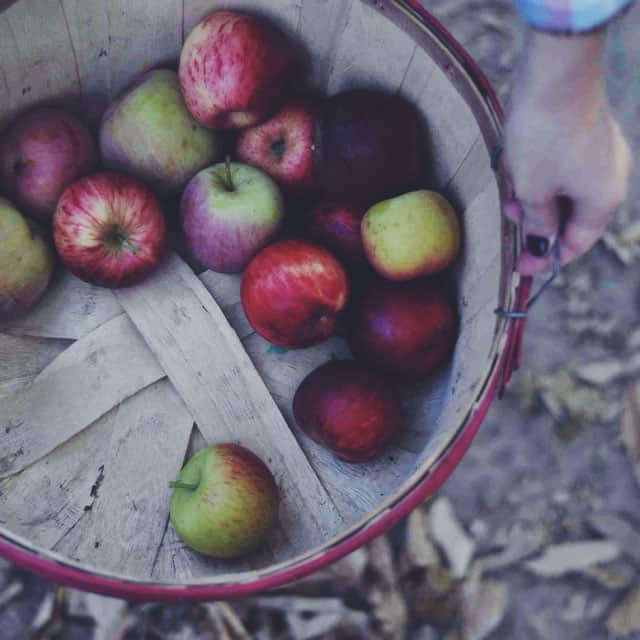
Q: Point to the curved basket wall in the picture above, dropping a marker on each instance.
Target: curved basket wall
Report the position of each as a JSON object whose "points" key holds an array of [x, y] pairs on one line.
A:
{"points": [[86, 502]]}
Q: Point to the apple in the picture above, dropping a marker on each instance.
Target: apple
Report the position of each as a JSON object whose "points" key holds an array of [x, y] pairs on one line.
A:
{"points": [[369, 146], [225, 501], [109, 230], [41, 153], [26, 262], [293, 292], [405, 330], [228, 213], [283, 146], [336, 225], [412, 235], [233, 70], [149, 133], [349, 409]]}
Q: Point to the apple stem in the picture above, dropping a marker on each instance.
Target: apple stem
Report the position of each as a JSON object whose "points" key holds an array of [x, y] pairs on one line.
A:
{"points": [[183, 485], [229, 178]]}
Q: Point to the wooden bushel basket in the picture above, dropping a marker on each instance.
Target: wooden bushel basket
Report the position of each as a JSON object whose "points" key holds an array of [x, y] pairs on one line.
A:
{"points": [[100, 392]]}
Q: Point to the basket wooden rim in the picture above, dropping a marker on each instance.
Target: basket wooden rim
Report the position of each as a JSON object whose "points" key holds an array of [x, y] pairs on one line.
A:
{"points": [[418, 487]]}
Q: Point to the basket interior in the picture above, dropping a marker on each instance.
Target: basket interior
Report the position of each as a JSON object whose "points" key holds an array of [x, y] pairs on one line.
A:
{"points": [[100, 497]]}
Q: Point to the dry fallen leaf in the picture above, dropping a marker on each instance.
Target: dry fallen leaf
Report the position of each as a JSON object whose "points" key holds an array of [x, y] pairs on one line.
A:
{"points": [[631, 427], [450, 536], [385, 597], [619, 531], [419, 552], [484, 603], [560, 559], [624, 620]]}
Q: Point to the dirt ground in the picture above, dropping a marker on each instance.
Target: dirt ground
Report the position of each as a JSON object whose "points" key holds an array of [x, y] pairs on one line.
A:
{"points": [[543, 512]]}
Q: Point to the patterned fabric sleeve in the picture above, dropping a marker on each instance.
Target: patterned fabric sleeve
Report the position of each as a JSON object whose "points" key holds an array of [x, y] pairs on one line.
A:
{"points": [[569, 16]]}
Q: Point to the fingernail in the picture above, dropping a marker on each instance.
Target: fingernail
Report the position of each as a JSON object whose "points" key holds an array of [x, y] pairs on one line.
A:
{"points": [[537, 246]]}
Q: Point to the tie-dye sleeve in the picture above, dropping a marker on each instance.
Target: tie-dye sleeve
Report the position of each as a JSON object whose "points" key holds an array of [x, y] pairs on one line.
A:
{"points": [[573, 16]]}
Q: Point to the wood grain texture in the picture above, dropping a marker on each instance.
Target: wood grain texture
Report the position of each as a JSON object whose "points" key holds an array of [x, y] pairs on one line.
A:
{"points": [[70, 309], [211, 371], [322, 23], [370, 52], [116, 41], [147, 441], [47, 414], [33, 69]]}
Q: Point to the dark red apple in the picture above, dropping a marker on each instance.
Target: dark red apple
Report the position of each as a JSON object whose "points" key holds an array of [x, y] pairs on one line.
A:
{"points": [[348, 408], [336, 225], [369, 146], [283, 146], [109, 230], [407, 330], [41, 153], [233, 69], [293, 292]]}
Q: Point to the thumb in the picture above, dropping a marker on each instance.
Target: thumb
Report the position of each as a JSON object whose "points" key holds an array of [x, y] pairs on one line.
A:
{"points": [[539, 227]]}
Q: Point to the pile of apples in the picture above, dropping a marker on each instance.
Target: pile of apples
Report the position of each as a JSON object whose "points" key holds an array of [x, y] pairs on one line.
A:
{"points": [[321, 209]]}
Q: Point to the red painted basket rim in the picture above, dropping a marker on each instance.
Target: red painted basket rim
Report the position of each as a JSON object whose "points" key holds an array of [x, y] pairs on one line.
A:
{"points": [[415, 490]]}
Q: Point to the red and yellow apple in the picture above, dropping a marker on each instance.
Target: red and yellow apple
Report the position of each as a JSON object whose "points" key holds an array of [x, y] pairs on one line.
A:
{"points": [[405, 330], [225, 501], [349, 409], [148, 133], [411, 235], [109, 230], [233, 70], [41, 153], [228, 213], [283, 146], [293, 293], [26, 262]]}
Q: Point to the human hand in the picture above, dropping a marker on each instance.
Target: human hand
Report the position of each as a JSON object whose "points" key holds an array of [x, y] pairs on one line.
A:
{"points": [[561, 139]]}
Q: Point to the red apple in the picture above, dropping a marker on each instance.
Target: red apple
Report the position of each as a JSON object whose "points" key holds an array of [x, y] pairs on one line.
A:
{"points": [[41, 153], [407, 330], [109, 230], [336, 225], [293, 292], [283, 146], [349, 409], [233, 69], [369, 146]]}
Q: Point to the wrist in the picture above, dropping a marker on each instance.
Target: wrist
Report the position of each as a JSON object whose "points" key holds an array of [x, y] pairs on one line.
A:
{"points": [[563, 70]]}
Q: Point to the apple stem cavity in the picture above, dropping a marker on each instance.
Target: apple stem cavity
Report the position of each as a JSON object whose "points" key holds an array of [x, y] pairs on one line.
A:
{"points": [[230, 185], [278, 147], [183, 485]]}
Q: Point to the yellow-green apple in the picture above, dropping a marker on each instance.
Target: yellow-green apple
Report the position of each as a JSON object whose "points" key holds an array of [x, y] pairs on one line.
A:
{"points": [[283, 146], [337, 226], [225, 501], [293, 293], [233, 70], [149, 133], [406, 330], [41, 153], [349, 409], [368, 146], [228, 213], [26, 262], [411, 235], [109, 230]]}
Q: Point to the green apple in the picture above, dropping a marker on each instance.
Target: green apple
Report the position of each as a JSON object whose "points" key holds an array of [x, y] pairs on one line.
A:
{"points": [[149, 133], [412, 235], [26, 262], [225, 501], [229, 212]]}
